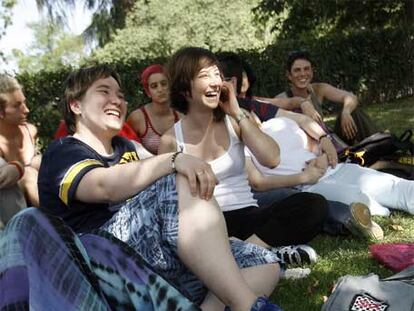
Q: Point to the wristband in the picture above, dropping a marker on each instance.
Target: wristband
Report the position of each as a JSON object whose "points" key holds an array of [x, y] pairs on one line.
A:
{"points": [[19, 168], [240, 116], [174, 156], [323, 136]]}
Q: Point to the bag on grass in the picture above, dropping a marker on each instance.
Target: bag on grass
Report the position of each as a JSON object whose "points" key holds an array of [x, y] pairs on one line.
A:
{"points": [[378, 146], [369, 293], [395, 256]]}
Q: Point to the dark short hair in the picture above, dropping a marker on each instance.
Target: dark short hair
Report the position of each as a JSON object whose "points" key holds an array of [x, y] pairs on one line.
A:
{"points": [[182, 69], [251, 76], [232, 66], [77, 84], [295, 55]]}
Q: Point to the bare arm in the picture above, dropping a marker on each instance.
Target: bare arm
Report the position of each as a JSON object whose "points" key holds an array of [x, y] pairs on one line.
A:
{"points": [[349, 101], [137, 122], [120, 182], [288, 103], [312, 128], [260, 182], [265, 149]]}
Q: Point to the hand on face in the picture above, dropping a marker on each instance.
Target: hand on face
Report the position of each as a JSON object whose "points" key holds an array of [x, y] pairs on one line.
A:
{"points": [[199, 174], [228, 101]]}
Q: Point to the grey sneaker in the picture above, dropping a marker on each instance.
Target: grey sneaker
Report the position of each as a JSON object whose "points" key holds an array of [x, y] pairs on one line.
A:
{"points": [[362, 225], [296, 255]]}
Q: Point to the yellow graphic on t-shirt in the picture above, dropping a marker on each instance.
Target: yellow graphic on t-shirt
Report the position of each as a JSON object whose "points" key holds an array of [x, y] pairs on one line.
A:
{"points": [[130, 156], [70, 175]]}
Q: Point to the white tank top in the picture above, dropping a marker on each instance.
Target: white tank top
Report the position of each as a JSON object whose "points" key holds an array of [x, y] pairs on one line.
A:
{"points": [[233, 191], [293, 143]]}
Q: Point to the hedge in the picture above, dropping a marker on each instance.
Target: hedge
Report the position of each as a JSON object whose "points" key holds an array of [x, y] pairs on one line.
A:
{"points": [[377, 66]]}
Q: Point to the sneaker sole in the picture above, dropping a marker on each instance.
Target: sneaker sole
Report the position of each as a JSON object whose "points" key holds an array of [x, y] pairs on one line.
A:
{"points": [[362, 224]]}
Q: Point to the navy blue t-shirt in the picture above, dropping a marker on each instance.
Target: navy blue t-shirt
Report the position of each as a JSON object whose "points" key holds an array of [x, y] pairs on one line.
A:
{"points": [[64, 164]]}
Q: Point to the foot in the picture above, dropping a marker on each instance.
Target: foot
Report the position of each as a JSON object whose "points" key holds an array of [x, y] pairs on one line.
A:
{"points": [[296, 255], [362, 225], [264, 304]]}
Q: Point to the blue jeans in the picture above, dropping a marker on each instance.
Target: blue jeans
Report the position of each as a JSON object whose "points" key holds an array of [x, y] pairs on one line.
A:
{"points": [[338, 213]]}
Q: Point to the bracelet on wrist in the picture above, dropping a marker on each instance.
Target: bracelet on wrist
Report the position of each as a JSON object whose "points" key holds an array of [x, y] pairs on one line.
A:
{"points": [[324, 136], [240, 116], [173, 158], [19, 168]]}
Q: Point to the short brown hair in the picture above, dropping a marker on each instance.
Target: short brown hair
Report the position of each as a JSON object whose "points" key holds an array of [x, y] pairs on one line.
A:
{"points": [[8, 84], [182, 69], [77, 84]]}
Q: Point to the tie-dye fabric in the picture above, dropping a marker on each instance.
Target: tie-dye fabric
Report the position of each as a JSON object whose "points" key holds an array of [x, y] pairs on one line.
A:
{"points": [[45, 266]]}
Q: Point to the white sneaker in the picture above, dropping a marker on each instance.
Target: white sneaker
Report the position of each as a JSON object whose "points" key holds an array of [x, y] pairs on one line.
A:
{"points": [[295, 254], [295, 273]]}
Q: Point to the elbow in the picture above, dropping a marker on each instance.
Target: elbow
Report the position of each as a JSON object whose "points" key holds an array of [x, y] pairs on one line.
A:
{"points": [[257, 184]]}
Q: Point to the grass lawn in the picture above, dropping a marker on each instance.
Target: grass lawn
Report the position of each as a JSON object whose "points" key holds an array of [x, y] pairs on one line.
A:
{"points": [[339, 256]]}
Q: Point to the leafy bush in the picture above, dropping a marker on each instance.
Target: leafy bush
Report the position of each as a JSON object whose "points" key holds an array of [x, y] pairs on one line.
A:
{"points": [[377, 66]]}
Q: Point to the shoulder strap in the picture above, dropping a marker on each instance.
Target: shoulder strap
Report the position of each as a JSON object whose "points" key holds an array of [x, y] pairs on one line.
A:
{"points": [[179, 137]]}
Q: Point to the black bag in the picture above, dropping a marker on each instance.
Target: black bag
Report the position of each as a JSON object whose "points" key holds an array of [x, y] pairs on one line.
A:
{"points": [[377, 147]]}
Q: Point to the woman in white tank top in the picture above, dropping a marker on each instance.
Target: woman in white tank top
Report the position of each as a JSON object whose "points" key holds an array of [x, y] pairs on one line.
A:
{"points": [[216, 130]]}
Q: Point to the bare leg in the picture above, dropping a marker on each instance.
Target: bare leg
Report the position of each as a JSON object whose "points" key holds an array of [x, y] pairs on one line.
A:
{"points": [[203, 246]]}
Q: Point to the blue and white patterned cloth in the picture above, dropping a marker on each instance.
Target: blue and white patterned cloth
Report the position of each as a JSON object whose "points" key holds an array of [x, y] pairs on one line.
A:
{"points": [[148, 223]]}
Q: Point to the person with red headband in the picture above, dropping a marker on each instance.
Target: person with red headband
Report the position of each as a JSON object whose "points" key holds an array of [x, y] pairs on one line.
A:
{"points": [[155, 118]]}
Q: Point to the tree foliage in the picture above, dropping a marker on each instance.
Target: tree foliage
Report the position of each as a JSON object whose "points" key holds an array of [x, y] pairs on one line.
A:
{"points": [[6, 7], [108, 15], [156, 28], [51, 48], [317, 18]]}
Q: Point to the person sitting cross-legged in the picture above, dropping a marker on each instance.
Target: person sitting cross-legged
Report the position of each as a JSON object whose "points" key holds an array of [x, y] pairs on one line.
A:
{"points": [[216, 130], [95, 180]]}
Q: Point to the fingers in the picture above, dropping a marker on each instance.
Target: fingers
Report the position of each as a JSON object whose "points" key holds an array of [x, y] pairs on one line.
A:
{"points": [[192, 181], [349, 127], [332, 158], [318, 118], [207, 182]]}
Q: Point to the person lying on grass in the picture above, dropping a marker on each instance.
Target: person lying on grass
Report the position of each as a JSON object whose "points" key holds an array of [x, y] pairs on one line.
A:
{"points": [[303, 166]]}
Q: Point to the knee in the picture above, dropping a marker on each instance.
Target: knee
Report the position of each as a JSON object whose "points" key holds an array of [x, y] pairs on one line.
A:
{"points": [[320, 206], [316, 205]]}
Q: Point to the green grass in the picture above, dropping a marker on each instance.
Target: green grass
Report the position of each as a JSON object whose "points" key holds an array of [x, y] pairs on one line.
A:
{"points": [[339, 256]]}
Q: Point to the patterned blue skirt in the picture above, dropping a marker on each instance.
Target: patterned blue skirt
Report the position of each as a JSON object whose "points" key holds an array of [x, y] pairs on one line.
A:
{"points": [[148, 223]]}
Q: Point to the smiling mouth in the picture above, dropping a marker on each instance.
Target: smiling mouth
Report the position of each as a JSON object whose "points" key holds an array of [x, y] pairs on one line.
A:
{"points": [[113, 112], [212, 94]]}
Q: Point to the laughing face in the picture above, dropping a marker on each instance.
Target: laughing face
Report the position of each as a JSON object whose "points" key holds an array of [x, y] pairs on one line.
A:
{"points": [[15, 111], [206, 86], [102, 109], [301, 74]]}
